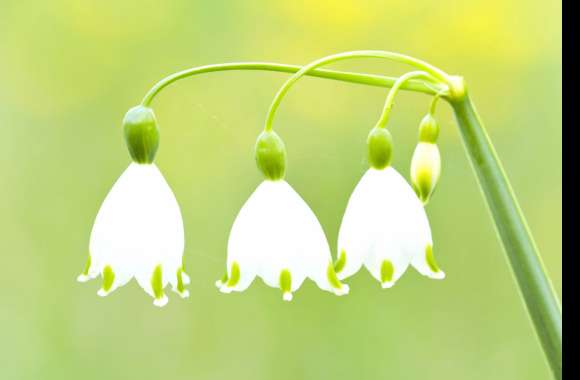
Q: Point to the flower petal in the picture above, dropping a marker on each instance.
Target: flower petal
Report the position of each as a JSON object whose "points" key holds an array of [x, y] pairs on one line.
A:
{"points": [[277, 237], [384, 227], [426, 265], [354, 236], [138, 228]]}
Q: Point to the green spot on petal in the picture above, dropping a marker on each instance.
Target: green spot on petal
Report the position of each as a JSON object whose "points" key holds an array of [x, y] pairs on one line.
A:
{"points": [[285, 281], [87, 266], [108, 278], [180, 286], [424, 185], [430, 258], [341, 262], [224, 278], [387, 271], [234, 275], [331, 276], [157, 282]]}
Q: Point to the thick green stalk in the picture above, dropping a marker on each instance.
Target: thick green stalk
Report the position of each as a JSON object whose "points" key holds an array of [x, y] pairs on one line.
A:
{"points": [[344, 76], [535, 287]]}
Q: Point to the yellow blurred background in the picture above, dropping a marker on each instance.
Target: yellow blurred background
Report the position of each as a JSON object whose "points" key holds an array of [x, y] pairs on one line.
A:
{"points": [[70, 69]]}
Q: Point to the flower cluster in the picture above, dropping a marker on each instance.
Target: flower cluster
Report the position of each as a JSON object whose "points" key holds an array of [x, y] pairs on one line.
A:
{"points": [[138, 231], [277, 237]]}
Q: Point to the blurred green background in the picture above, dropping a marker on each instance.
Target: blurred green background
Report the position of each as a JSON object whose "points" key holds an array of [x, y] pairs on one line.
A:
{"points": [[69, 70]]}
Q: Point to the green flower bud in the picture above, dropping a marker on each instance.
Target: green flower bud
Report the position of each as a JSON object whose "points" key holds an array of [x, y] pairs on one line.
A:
{"points": [[380, 148], [428, 129], [425, 170], [271, 155], [141, 134]]}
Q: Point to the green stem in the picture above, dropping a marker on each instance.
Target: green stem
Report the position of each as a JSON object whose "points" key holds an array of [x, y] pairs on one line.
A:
{"points": [[344, 76], [438, 74], [382, 123], [535, 287], [433, 105]]}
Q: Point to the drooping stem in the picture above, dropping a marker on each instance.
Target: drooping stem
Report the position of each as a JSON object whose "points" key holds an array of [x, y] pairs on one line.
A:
{"points": [[440, 76], [433, 105], [344, 76], [534, 285], [383, 120]]}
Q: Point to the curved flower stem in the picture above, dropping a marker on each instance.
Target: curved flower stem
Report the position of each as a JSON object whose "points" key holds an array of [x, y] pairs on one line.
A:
{"points": [[382, 123], [440, 76], [344, 76], [535, 286], [433, 105]]}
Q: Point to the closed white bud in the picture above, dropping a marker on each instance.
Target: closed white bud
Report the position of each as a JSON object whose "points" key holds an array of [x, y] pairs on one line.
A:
{"points": [[425, 170]]}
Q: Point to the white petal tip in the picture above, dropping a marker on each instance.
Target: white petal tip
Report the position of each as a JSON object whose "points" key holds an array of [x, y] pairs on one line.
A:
{"points": [[437, 275], [226, 289], [160, 302], [387, 285], [83, 278], [287, 296], [184, 294], [103, 293], [185, 278], [342, 291], [219, 284]]}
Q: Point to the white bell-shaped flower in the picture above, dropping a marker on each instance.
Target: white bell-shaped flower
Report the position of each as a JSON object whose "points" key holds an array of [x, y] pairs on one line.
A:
{"points": [[277, 237], [138, 232], [386, 229]]}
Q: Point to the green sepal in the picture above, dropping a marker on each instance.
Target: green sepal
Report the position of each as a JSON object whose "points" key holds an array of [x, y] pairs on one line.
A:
{"points": [[271, 155], [428, 129], [380, 148], [141, 134]]}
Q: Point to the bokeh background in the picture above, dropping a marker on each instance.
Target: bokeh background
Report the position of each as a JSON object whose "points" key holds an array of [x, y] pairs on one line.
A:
{"points": [[70, 69]]}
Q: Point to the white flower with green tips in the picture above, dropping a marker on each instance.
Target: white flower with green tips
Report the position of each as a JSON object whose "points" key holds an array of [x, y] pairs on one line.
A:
{"points": [[385, 227], [138, 231], [276, 236]]}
